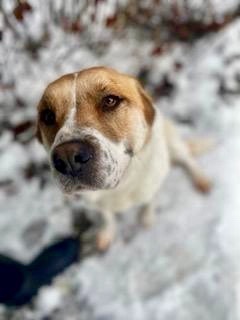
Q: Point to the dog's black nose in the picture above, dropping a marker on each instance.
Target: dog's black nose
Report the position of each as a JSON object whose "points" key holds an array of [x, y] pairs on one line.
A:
{"points": [[70, 158]]}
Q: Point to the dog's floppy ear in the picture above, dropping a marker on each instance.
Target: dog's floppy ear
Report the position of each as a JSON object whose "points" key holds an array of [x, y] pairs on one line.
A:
{"points": [[149, 111]]}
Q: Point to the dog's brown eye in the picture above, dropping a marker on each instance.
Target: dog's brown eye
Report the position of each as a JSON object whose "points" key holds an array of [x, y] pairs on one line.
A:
{"points": [[47, 116], [110, 102]]}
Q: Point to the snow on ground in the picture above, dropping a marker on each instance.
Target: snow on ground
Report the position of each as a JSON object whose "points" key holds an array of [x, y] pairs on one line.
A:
{"points": [[186, 266]]}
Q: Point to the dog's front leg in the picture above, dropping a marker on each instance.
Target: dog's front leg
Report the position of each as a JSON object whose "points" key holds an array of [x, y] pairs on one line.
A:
{"points": [[147, 214], [106, 232], [95, 228], [180, 153]]}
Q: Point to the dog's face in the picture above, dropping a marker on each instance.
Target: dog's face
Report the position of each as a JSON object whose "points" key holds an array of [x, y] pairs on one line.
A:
{"points": [[92, 123]]}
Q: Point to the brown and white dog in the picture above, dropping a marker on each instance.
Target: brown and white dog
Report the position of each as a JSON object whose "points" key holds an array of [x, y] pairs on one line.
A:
{"points": [[107, 141]]}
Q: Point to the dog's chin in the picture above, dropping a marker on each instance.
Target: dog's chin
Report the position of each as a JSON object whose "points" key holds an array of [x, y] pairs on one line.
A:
{"points": [[72, 189], [93, 181], [76, 188]]}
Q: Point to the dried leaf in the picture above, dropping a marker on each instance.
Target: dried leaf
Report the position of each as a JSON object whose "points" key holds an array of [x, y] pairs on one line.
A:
{"points": [[111, 21], [21, 9]]}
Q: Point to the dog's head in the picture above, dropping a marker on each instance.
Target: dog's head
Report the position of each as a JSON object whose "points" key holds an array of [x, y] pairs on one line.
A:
{"points": [[92, 123]]}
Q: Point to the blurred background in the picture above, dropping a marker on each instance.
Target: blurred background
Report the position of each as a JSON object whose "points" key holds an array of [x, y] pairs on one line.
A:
{"points": [[187, 55]]}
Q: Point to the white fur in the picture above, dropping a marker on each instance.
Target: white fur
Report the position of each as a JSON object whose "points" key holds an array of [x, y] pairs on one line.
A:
{"points": [[70, 119]]}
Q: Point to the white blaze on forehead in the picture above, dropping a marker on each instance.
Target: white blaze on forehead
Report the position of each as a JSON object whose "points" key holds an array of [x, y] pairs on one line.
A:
{"points": [[69, 124], [73, 107], [70, 120]]}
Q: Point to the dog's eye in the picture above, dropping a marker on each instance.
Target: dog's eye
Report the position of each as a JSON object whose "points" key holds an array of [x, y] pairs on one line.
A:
{"points": [[47, 116], [110, 102]]}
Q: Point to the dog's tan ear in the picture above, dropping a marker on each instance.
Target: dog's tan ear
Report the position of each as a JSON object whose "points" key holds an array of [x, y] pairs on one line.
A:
{"points": [[149, 111]]}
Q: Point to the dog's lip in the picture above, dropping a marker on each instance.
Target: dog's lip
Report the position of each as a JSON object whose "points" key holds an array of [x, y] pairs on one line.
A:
{"points": [[75, 190], [79, 186], [84, 189]]}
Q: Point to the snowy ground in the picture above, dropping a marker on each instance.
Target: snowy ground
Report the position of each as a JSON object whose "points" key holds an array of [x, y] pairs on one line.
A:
{"points": [[187, 266]]}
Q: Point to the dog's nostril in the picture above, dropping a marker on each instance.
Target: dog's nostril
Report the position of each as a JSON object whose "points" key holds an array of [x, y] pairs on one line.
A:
{"points": [[82, 157], [60, 165]]}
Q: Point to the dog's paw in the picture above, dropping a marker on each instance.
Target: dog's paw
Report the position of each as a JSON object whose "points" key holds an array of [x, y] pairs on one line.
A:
{"points": [[104, 238], [96, 240], [203, 184]]}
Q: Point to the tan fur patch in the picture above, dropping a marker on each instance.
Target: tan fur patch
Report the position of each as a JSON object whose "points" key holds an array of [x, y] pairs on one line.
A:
{"points": [[149, 111], [56, 98]]}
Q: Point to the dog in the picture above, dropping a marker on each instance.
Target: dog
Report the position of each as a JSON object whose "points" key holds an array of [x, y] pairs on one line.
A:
{"points": [[108, 142]]}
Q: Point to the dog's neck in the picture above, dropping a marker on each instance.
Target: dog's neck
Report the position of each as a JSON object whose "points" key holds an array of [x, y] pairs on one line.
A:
{"points": [[143, 159]]}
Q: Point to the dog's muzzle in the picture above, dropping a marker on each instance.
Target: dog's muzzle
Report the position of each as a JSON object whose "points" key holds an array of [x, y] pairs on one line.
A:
{"points": [[76, 164], [87, 162]]}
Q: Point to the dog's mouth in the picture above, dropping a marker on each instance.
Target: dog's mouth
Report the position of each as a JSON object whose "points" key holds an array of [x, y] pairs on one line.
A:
{"points": [[80, 181], [98, 176]]}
